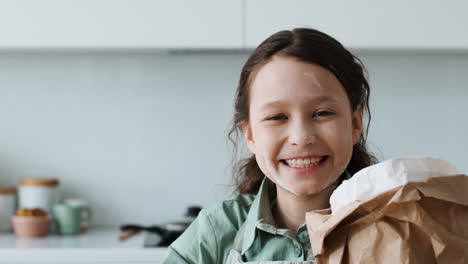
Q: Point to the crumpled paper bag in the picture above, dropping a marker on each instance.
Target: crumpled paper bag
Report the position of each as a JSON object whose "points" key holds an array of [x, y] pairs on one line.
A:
{"points": [[419, 222], [387, 175]]}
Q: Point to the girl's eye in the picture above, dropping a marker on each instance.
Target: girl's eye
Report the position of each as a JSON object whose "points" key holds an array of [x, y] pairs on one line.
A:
{"points": [[323, 113], [277, 117]]}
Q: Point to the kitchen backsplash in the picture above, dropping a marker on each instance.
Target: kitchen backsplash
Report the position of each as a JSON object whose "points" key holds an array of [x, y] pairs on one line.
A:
{"points": [[142, 136]]}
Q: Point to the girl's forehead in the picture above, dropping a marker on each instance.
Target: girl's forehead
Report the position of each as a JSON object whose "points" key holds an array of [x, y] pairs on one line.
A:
{"points": [[288, 78]]}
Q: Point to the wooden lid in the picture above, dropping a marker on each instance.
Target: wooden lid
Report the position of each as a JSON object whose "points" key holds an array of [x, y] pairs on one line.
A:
{"points": [[39, 181], [7, 189]]}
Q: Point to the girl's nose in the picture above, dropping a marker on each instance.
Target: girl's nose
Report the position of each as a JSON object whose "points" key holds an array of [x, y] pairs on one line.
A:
{"points": [[300, 134]]}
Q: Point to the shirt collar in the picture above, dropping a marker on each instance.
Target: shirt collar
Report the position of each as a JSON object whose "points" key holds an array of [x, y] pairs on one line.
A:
{"points": [[260, 211]]}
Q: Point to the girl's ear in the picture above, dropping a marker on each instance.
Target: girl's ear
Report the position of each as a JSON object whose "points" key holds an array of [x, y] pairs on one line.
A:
{"points": [[357, 124], [247, 131]]}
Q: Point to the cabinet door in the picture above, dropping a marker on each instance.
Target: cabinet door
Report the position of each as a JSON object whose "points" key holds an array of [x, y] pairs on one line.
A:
{"points": [[120, 24], [365, 24]]}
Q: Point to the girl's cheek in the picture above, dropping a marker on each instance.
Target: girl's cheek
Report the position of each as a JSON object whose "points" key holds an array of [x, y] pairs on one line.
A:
{"points": [[266, 165], [269, 168], [263, 163]]}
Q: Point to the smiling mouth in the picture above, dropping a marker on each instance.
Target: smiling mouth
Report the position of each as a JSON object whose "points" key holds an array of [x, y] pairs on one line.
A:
{"points": [[304, 163]]}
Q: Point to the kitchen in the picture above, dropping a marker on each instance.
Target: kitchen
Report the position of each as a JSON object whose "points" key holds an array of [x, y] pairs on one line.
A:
{"points": [[128, 103]]}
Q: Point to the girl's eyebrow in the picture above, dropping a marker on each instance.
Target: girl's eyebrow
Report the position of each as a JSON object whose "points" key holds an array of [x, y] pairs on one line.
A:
{"points": [[315, 100]]}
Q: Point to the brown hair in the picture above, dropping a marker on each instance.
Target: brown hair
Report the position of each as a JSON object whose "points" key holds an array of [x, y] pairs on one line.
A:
{"points": [[311, 46]]}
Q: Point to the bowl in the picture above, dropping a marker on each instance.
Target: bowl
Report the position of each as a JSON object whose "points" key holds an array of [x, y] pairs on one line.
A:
{"points": [[31, 226]]}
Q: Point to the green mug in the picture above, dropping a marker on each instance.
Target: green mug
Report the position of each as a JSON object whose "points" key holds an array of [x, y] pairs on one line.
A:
{"points": [[68, 218]]}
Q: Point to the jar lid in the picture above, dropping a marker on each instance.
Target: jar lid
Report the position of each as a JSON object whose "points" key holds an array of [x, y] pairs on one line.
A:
{"points": [[39, 181], [7, 190]]}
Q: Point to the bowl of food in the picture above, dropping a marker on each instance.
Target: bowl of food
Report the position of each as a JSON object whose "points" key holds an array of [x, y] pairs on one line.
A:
{"points": [[31, 222]]}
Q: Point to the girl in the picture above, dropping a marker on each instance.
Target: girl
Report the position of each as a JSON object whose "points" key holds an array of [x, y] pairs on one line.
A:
{"points": [[299, 106]]}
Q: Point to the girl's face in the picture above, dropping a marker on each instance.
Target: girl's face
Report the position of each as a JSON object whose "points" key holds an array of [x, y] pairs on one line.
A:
{"points": [[301, 128]]}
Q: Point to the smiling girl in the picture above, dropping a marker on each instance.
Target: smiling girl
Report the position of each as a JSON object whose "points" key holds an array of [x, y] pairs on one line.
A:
{"points": [[299, 106]]}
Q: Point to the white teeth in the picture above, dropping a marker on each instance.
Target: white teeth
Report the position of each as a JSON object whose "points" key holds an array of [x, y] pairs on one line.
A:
{"points": [[303, 163]]}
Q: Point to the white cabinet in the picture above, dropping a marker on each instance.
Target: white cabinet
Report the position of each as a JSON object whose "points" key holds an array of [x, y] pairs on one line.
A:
{"points": [[99, 245], [83, 256], [120, 24], [230, 24], [367, 24]]}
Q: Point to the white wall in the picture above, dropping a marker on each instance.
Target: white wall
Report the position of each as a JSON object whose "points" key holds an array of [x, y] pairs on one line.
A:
{"points": [[142, 136], [420, 105]]}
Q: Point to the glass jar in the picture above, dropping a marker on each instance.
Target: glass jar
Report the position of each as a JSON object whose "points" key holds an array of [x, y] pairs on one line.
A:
{"points": [[38, 193], [7, 207]]}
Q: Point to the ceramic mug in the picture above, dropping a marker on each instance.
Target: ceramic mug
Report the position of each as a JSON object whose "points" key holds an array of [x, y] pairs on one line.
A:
{"points": [[68, 218], [86, 211]]}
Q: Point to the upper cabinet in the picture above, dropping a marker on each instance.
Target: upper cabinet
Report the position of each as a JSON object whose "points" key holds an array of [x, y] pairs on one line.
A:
{"points": [[107, 24], [229, 24], [365, 24]]}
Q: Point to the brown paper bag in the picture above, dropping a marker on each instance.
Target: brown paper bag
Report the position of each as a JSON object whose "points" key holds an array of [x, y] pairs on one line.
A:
{"points": [[420, 222]]}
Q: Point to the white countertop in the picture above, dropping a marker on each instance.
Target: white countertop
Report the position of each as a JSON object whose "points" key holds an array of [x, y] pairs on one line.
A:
{"points": [[99, 245]]}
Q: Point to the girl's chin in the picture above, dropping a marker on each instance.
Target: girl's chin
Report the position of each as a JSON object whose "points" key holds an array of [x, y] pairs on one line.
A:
{"points": [[303, 189]]}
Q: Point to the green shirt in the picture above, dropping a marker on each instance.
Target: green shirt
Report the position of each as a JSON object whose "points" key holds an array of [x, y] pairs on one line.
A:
{"points": [[211, 236]]}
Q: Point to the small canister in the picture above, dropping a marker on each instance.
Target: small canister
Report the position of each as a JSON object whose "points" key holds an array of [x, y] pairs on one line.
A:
{"points": [[7, 207], [38, 193]]}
